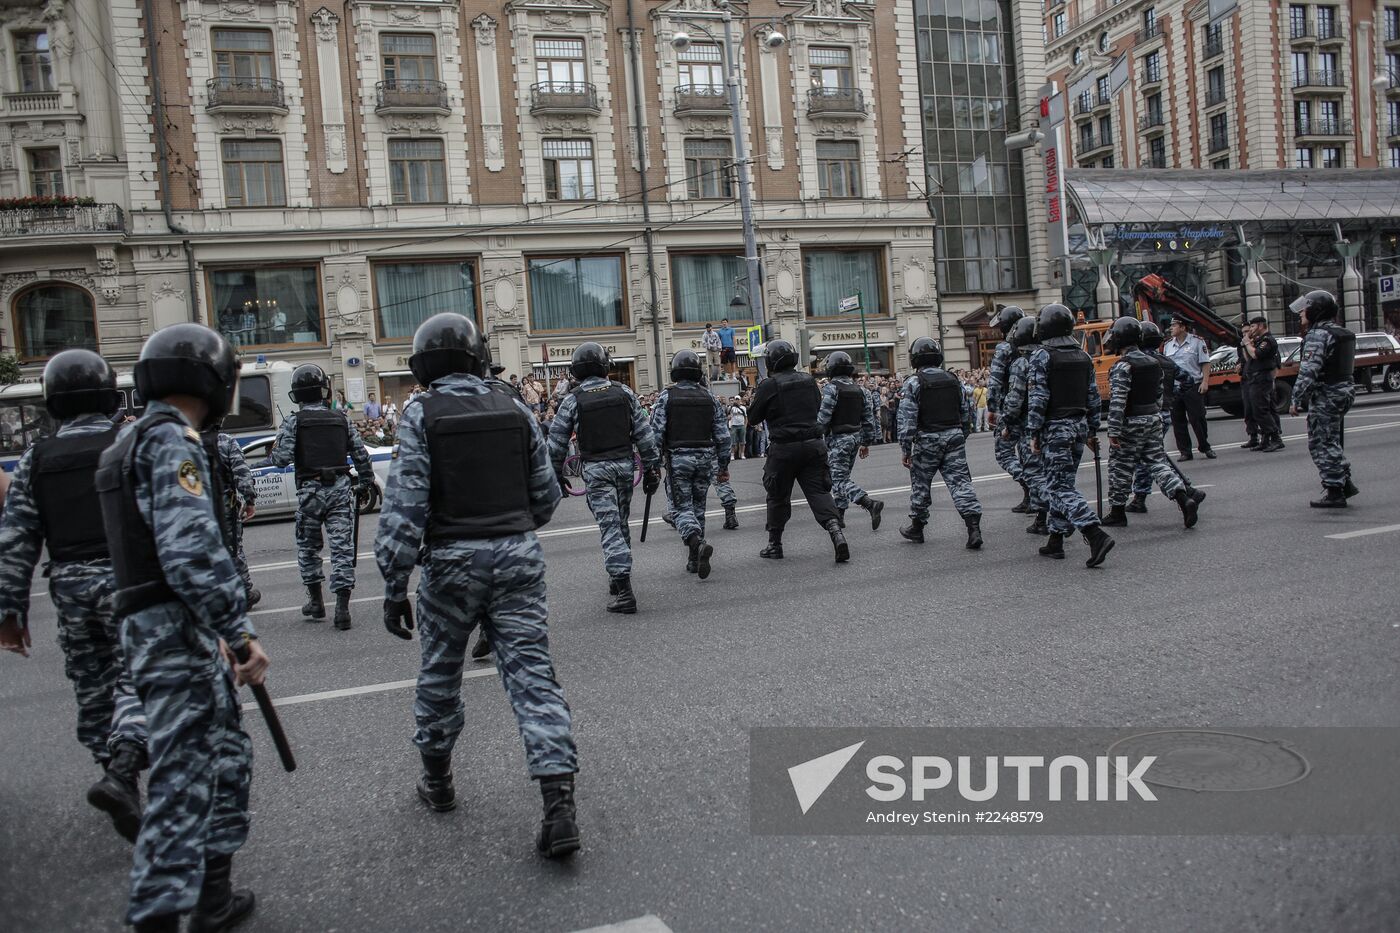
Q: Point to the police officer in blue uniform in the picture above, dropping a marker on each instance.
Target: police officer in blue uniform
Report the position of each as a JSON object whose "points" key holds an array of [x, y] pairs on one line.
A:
{"points": [[1326, 387], [998, 384], [848, 418]]}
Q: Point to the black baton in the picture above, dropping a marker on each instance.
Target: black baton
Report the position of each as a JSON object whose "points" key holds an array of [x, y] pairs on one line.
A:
{"points": [[646, 518], [269, 713]]}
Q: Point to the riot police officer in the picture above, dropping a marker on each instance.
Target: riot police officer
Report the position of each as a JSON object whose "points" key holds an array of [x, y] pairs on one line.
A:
{"points": [[1004, 448], [1326, 388], [1134, 425], [236, 493], [178, 595], [53, 502], [318, 440], [610, 423], [1013, 421], [1062, 417], [789, 401], [1151, 343], [471, 484], [848, 419], [935, 418]]}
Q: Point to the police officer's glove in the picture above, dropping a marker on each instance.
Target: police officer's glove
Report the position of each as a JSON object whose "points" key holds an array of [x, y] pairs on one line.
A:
{"points": [[651, 481], [398, 618]]}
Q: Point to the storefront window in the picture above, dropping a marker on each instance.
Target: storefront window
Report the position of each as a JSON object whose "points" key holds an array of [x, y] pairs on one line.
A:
{"points": [[832, 275], [704, 285], [568, 293], [408, 293], [881, 359], [268, 306], [53, 317]]}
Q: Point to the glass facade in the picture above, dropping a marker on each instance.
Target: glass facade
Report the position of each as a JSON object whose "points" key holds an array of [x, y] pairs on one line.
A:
{"points": [[967, 79]]}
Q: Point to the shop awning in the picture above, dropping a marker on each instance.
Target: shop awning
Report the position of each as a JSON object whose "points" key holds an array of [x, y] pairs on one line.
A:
{"points": [[874, 345]]}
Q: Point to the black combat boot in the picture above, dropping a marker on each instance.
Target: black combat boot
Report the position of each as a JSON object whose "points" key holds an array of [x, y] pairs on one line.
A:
{"points": [[342, 610], [1189, 505], [700, 551], [874, 507], [1198, 494], [774, 550], [254, 597], [220, 907], [1253, 443], [841, 517], [1349, 488], [691, 565], [559, 829], [1099, 544], [1137, 504], [1038, 527], [731, 521], [1116, 517], [118, 794], [315, 608], [974, 531], [1272, 443], [482, 649], [1335, 498], [624, 600], [1024, 505], [435, 785], [914, 531], [1054, 546], [838, 542], [669, 519], [160, 923]]}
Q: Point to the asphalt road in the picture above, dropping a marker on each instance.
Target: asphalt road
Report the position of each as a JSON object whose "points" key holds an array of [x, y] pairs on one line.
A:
{"points": [[1254, 617]]}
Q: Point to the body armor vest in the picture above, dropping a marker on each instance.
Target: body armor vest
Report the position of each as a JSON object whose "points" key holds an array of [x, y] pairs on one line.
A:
{"points": [[1146, 385], [479, 446], [1068, 381], [220, 486], [323, 440], [1341, 362], [797, 404], [690, 418], [1169, 374], [850, 409], [940, 401], [64, 476], [604, 424]]}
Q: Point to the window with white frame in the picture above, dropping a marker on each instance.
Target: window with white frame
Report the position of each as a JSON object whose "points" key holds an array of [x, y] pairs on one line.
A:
{"points": [[568, 170], [1059, 21], [417, 171], [34, 62], [243, 54], [831, 67], [707, 168], [45, 172], [408, 58], [559, 64], [700, 67], [1332, 157], [253, 173], [838, 168], [1302, 157]]}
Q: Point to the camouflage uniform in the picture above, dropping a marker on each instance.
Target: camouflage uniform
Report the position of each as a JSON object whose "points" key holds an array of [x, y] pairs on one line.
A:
{"points": [[842, 449], [330, 505], [608, 483], [939, 452], [1142, 477], [1012, 423], [201, 759], [997, 385], [243, 492], [691, 470], [1139, 438], [495, 582], [1327, 404], [1062, 446], [108, 711]]}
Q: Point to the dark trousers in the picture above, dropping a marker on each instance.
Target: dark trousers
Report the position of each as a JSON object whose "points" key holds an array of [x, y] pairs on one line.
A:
{"points": [[1251, 423], [1259, 405], [1189, 408], [805, 463]]}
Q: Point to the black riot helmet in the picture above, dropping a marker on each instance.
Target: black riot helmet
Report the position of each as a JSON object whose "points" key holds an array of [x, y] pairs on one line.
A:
{"points": [[1023, 332], [840, 364], [590, 359], [1151, 336], [1006, 318], [781, 355], [79, 382], [686, 365], [1055, 321], [189, 359], [310, 384], [1125, 334], [446, 344], [925, 351], [1320, 306]]}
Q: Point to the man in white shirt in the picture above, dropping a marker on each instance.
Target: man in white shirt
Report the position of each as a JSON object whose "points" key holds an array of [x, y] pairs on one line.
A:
{"points": [[1192, 360], [712, 345], [738, 420]]}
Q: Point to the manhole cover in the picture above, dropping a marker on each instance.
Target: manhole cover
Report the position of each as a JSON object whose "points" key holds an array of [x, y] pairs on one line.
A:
{"points": [[1219, 761]]}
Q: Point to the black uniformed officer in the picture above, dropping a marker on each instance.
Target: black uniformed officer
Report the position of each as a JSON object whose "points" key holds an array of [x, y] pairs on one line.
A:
{"points": [[789, 401], [1259, 360]]}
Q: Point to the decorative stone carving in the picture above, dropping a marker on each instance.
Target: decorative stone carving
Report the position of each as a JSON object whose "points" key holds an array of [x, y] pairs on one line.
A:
{"points": [[326, 23], [167, 289], [249, 124], [413, 125], [916, 282], [494, 142], [412, 16], [7, 157], [9, 284], [75, 150], [335, 147], [506, 298], [232, 10], [485, 28], [773, 139], [107, 274], [76, 276]]}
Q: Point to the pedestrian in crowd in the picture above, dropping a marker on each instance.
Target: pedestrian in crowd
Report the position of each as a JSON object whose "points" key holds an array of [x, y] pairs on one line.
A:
{"points": [[711, 344], [979, 403], [53, 503], [935, 418], [530, 391], [180, 598], [1011, 424], [235, 502], [738, 418], [1192, 360], [391, 412], [1151, 343], [848, 420], [610, 423], [1326, 387], [1259, 361], [1135, 423], [372, 409], [340, 403], [1003, 449], [470, 487], [889, 405], [788, 402], [318, 441], [727, 360], [561, 387]]}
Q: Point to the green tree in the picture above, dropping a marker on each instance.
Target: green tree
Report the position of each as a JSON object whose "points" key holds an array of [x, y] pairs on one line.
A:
{"points": [[9, 369]]}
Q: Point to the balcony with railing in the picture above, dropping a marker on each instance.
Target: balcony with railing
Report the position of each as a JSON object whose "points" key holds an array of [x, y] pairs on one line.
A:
{"points": [[38, 103], [1149, 32], [1393, 127], [255, 94], [1301, 32], [1328, 33], [1219, 142], [1323, 126], [1091, 145], [405, 95], [1392, 34], [1324, 81], [564, 97], [1215, 44], [1151, 75], [63, 220], [1084, 105], [1215, 96], [701, 98], [1152, 123], [839, 103]]}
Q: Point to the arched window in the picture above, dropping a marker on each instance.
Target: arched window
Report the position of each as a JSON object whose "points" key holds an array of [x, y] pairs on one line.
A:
{"points": [[53, 316]]}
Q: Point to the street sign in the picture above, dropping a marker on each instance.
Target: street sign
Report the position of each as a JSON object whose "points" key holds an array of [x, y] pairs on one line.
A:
{"points": [[755, 335], [850, 303], [1389, 287]]}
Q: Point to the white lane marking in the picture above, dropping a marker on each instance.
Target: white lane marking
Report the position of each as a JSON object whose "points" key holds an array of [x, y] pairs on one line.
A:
{"points": [[268, 612], [649, 923], [1364, 532], [358, 691]]}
